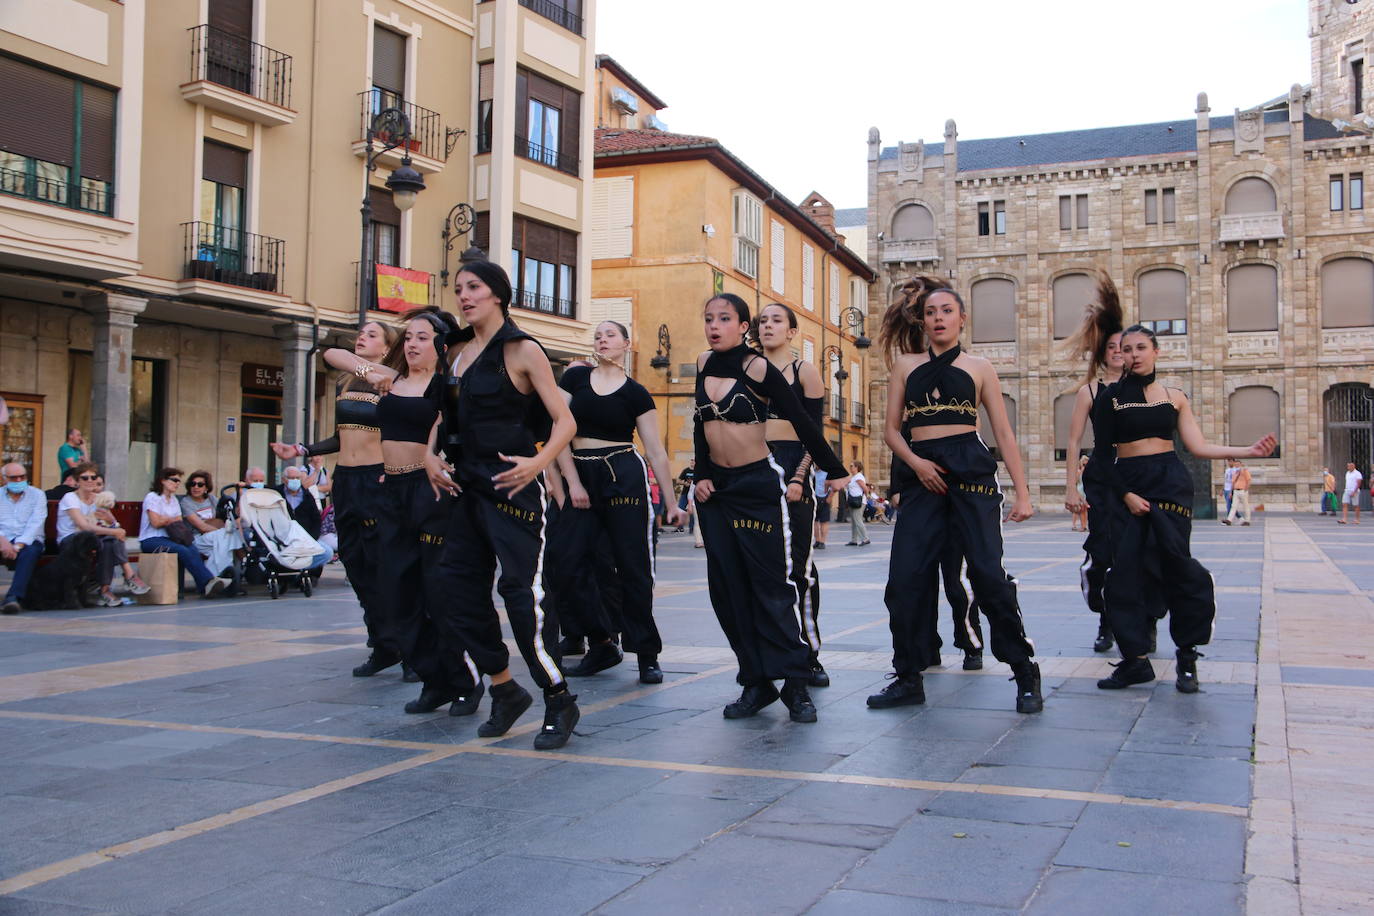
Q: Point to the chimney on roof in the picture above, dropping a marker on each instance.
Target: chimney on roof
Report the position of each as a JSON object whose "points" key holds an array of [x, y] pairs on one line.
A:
{"points": [[820, 210]]}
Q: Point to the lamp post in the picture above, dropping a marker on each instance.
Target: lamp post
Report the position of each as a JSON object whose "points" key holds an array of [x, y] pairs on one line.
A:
{"points": [[850, 318], [390, 128], [460, 220], [662, 358]]}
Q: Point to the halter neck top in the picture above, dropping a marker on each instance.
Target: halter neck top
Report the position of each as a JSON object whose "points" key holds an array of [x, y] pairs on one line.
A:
{"points": [[939, 393]]}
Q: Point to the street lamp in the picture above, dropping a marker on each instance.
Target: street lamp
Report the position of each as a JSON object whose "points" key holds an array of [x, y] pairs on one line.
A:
{"points": [[461, 219], [853, 317], [834, 356], [391, 128], [662, 357]]}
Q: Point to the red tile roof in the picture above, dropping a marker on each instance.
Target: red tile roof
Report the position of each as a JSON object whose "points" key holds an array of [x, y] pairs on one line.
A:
{"points": [[624, 140]]}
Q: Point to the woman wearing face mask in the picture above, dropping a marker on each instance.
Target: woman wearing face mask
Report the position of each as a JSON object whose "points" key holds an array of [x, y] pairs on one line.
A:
{"points": [[948, 481], [1152, 520], [777, 327], [411, 514], [1099, 339], [742, 503], [160, 509], [500, 398], [608, 487], [357, 488]]}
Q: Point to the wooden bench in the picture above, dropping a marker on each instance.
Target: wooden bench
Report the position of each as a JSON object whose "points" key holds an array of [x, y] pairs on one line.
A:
{"points": [[127, 513]]}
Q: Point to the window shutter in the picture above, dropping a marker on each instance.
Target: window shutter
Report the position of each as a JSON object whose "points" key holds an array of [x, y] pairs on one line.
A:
{"points": [[389, 60], [97, 132], [1252, 411], [384, 209], [779, 251], [834, 295], [913, 221], [1252, 298], [809, 350], [27, 90], [522, 103], [1065, 213], [856, 384], [619, 308], [1168, 205], [481, 232], [1082, 212], [1347, 294], [1071, 294], [1163, 294], [858, 294], [225, 165], [486, 80], [613, 207], [1251, 195], [993, 302], [808, 269], [571, 126], [232, 16]]}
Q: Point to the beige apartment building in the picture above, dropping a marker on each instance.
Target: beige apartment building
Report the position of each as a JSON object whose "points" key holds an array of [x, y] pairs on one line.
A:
{"points": [[677, 217], [180, 205], [1241, 239]]}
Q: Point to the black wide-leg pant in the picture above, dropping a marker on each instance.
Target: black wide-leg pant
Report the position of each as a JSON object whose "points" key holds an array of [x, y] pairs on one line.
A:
{"points": [[748, 571], [801, 521], [1097, 546], [970, 513], [968, 628], [410, 537], [357, 495], [620, 516], [1152, 564], [486, 528]]}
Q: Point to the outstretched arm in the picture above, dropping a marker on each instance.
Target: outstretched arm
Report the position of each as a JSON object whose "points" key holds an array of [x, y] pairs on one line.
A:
{"points": [[1082, 404], [1197, 444]]}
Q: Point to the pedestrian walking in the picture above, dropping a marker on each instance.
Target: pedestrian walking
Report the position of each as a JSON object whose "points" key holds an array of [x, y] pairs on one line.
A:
{"points": [[824, 500], [1350, 496], [856, 492], [1240, 495], [1329, 501], [1228, 486]]}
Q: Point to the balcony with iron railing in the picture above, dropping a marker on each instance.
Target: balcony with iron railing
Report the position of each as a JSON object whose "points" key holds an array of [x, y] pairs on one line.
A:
{"points": [[835, 407], [225, 255], [239, 77], [49, 182], [556, 11], [427, 146], [553, 158], [549, 305], [857, 417]]}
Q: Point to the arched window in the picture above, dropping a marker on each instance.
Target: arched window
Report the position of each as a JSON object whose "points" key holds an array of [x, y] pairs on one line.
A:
{"points": [[1348, 293], [1251, 412], [1252, 298], [1349, 408], [913, 221], [1163, 297], [1251, 195], [985, 425], [993, 304], [1063, 416], [1070, 295]]}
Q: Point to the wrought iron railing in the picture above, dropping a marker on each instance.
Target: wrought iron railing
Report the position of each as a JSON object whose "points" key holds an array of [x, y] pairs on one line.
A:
{"points": [[426, 127], [857, 418], [246, 66], [57, 186], [557, 12], [526, 299], [835, 403], [551, 157], [229, 255]]}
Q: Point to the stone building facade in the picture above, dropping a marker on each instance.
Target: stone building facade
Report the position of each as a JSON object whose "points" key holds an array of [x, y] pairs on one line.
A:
{"points": [[1241, 238]]}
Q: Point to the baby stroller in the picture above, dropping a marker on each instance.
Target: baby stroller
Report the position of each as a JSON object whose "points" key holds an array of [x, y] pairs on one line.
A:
{"points": [[278, 551]]}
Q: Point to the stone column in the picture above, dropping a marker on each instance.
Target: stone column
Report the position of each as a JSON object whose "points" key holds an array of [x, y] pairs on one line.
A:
{"points": [[112, 358], [295, 352]]}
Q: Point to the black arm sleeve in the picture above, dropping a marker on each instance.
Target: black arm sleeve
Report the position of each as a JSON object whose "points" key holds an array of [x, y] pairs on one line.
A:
{"points": [[786, 404], [323, 447], [1103, 418]]}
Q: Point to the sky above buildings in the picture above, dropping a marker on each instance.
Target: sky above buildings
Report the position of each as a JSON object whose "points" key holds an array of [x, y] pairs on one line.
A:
{"points": [[792, 86]]}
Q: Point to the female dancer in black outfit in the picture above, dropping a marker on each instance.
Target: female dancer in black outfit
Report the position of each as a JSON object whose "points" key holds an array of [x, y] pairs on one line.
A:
{"points": [[741, 502], [414, 515], [948, 480], [777, 326], [608, 492], [1152, 521], [1100, 340], [499, 398], [358, 482]]}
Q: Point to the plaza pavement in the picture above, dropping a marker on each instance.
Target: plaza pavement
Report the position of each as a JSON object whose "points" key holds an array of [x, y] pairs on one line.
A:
{"points": [[217, 757]]}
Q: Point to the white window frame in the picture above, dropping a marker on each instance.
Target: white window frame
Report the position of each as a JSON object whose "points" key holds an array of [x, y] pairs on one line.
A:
{"points": [[777, 273], [835, 294], [808, 270], [747, 230]]}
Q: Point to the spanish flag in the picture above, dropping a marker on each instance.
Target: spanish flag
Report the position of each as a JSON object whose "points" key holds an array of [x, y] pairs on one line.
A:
{"points": [[399, 290]]}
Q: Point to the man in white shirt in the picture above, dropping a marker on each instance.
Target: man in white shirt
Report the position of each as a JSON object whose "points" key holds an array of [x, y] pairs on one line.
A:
{"points": [[23, 513], [1351, 496], [1228, 483]]}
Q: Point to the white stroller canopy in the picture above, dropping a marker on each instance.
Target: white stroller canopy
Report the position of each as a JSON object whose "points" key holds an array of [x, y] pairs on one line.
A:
{"points": [[288, 543]]}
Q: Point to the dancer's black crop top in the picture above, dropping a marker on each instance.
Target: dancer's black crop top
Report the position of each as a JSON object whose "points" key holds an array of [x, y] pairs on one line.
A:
{"points": [[410, 418], [485, 415], [939, 393], [744, 404], [812, 406], [354, 408], [605, 416], [1133, 418], [1100, 415]]}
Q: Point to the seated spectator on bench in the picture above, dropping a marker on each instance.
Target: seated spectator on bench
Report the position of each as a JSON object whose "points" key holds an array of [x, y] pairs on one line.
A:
{"points": [[68, 485], [160, 512], [104, 517], [214, 541], [23, 513], [77, 512], [303, 508]]}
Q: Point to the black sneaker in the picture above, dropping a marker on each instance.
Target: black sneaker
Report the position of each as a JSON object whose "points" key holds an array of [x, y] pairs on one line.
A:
{"points": [[379, 660], [1186, 670], [820, 545], [819, 677], [797, 700], [560, 718], [754, 698], [1027, 677], [1128, 671], [973, 661], [465, 703], [430, 699], [1104, 640], [599, 657], [649, 671], [408, 674], [508, 703], [572, 645], [11, 607], [905, 690]]}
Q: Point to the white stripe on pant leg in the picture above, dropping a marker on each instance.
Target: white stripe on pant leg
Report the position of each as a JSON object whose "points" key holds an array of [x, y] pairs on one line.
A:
{"points": [[810, 629], [787, 551], [971, 597], [1001, 534], [649, 534], [537, 587], [472, 669]]}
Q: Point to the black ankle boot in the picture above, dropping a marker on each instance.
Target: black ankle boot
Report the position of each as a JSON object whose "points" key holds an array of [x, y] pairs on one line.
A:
{"points": [[430, 699], [819, 677], [560, 718], [1186, 670], [465, 703], [1027, 677], [973, 661], [508, 703], [905, 690], [798, 700], [598, 658], [1104, 640], [572, 645], [1128, 671], [408, 674], [379, 660], [649, 671], [751, 700]]}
